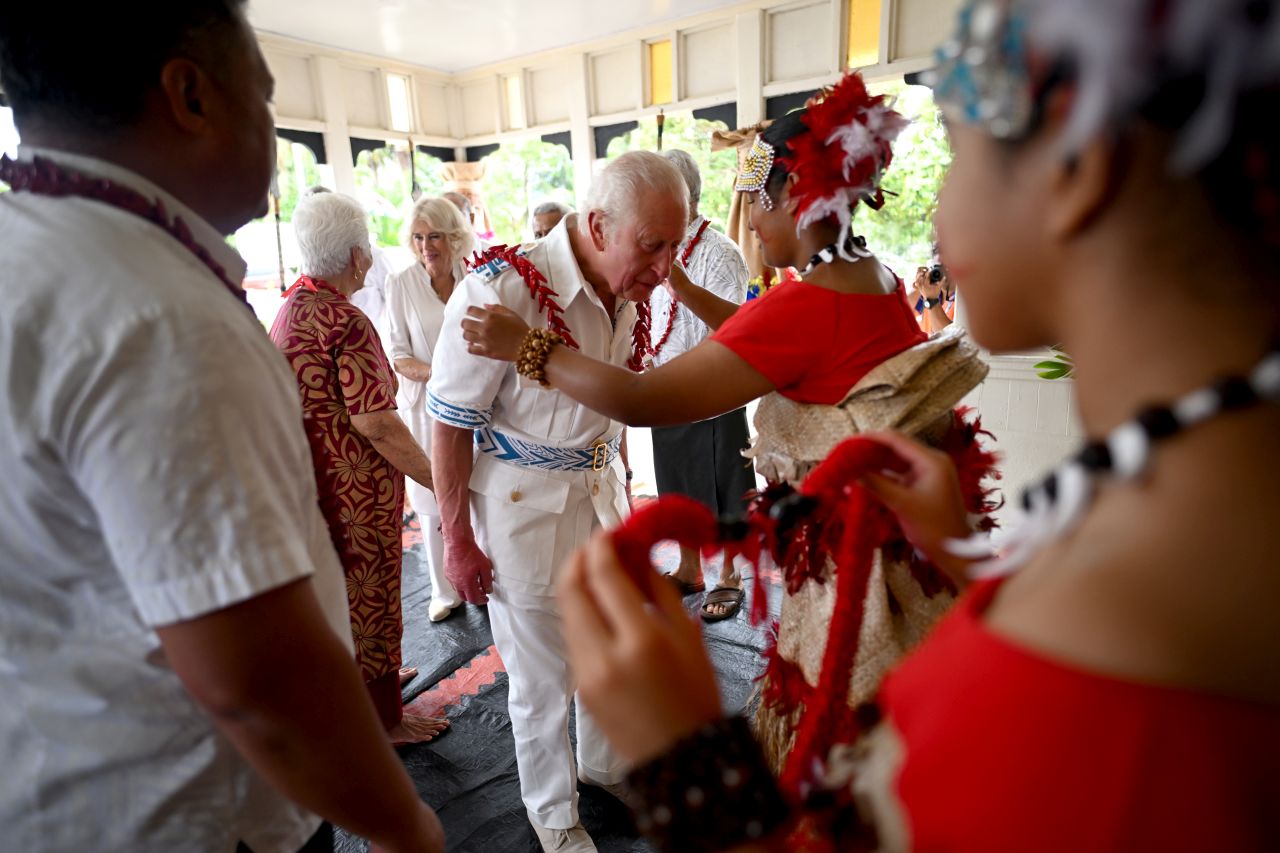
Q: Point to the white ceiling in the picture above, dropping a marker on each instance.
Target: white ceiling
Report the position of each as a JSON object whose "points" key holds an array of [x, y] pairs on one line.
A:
{"points": [[454, 35]]}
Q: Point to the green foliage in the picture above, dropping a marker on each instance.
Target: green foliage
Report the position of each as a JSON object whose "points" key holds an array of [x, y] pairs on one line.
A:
{"points": [[901, 233], [683, 131], [384, 187], [296, 171], [518, 177], [1061, 366]]}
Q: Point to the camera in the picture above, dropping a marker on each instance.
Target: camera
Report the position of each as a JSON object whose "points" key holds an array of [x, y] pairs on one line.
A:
{"points": [[936, 272]]}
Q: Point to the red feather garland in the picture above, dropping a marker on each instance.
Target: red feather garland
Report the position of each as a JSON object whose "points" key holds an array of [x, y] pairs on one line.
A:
{"points": [[844, 524], [545, 298]]}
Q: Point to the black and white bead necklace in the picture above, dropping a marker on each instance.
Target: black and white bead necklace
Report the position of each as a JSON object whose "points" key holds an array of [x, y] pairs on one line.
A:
{"points": [[1058, 502], [857, 250]]}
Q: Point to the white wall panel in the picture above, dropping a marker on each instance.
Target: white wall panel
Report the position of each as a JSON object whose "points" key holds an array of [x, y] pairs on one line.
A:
{"points": [[615, 80], [295, 95], [550, 89], [364, 96], [921, 25], [709, 62], [1033, 420], [480, 106], [433, 106], [798, 42]]}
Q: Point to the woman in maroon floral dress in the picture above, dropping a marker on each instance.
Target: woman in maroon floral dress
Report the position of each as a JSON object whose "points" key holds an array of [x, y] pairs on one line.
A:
{"points": [[360, 448]]}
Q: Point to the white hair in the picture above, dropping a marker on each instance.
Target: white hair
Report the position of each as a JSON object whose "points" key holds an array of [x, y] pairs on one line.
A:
{"points": [[328, 226], [552, 207], [688, 168], [617, 189], [443, 216], [461, 202]]}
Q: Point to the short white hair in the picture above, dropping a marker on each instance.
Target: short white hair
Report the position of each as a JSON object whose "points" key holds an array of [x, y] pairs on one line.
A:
{"points": [[549, 207], [328, 226], [688, 168], [618, 188]]}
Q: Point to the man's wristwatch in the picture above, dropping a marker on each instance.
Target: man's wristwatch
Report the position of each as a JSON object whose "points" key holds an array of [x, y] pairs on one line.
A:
{"points": [[630, 476], [932, 303]]}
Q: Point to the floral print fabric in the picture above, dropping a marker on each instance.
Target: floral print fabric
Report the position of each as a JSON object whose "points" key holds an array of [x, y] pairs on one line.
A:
{"points": [[342, 371]]}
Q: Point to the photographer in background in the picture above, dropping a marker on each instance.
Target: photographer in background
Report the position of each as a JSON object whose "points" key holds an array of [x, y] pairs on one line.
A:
{"points": [[933, 298]]}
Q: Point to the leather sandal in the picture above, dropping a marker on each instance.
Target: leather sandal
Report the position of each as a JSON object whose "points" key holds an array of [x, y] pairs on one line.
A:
{"points": [[732, 596]]}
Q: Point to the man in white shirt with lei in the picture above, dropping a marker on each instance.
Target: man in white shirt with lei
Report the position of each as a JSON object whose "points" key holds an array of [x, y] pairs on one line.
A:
{"points": [[702, 460], [175, 650], [547, 471]]}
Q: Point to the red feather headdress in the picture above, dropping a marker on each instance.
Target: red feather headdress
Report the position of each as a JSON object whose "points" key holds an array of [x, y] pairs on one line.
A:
{"points": [[840, 160]]}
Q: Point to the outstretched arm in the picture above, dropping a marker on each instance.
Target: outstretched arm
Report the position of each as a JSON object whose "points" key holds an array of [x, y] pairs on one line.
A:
{"points": [[707, 381]]}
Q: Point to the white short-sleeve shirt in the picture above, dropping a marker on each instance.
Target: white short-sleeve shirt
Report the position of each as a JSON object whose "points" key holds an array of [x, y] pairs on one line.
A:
{"points": [[716, 263], [471, 391], [155, 470]]}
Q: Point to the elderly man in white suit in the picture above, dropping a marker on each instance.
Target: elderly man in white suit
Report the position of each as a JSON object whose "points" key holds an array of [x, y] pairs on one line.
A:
{"points": [[548, 470]]}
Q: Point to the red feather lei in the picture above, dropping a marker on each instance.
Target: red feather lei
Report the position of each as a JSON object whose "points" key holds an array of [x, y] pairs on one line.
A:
{"points": [[675, 306], [842, 522], [546, 299]]}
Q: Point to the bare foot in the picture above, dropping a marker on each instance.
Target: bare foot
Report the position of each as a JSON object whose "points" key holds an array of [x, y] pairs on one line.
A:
{"points": [[407, 674], [689, 572], [412, 729]]}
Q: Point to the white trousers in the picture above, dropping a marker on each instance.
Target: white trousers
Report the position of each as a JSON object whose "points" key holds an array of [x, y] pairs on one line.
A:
{"points": [[525, 621], [433, 540], [428, 512]]}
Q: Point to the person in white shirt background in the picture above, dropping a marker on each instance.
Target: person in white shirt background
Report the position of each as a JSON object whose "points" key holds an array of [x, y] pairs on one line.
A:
{"points": [[702, 460], [440, 240], [468, 211], [547, 216], [175, 653]]}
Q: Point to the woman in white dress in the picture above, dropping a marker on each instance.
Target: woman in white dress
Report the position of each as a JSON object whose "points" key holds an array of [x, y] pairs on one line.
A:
{"points": [[440, 240]]}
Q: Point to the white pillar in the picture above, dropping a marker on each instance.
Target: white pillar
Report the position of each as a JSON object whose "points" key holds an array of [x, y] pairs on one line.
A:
{"points": [[751, 59], [582, 143], [337, 135]]}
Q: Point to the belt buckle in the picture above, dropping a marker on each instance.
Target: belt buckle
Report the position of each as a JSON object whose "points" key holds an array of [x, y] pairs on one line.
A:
{"points": [[599, 456]]}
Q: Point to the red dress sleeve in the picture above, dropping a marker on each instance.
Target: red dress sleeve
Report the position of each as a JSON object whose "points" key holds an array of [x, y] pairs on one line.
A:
{"points": [[814, 344], [765, 333]]}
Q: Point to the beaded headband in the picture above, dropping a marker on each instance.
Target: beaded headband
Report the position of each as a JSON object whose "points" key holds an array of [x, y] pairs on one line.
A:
{"points": [[839, 159], [755, 171]]}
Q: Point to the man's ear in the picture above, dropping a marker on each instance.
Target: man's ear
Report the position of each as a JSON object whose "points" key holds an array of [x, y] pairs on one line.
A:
{"points": [[187, 90], [595, 224]]}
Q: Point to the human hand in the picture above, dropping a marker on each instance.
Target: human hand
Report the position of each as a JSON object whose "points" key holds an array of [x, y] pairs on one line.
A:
{"points": [[926, 498], [494, 332], [427, 836], [468, 569], [629, 654], [677, 282]]}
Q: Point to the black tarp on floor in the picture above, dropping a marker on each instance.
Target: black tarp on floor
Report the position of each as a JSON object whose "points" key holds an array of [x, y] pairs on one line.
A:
{"points": [[469, 774]]}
